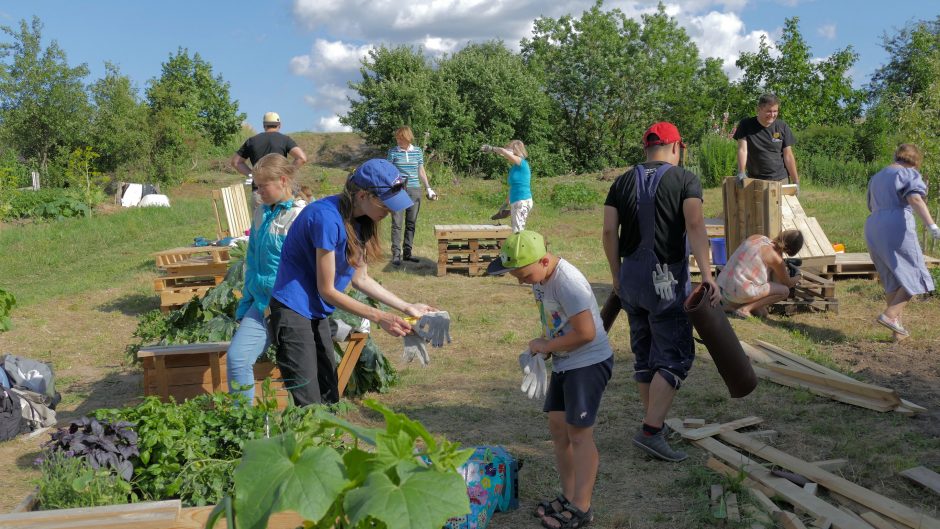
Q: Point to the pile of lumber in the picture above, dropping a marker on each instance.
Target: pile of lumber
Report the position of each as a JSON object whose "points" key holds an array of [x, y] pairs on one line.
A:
{"points": [[859, 507], [788, 369], [813, 293]]}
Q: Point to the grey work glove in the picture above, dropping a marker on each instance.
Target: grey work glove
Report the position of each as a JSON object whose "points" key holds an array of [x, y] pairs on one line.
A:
{"points": [[487, 148], [415, 348], [741, 176], [339, 330], [934, 231], [434, 327], [664, 283]]}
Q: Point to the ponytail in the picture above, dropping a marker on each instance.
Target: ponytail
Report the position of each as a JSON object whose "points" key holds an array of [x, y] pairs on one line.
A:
{"points": [[362, 250], [789, 242]]}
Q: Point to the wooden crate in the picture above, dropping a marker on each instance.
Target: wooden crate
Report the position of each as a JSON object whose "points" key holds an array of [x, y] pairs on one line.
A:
{"points": [[185, 371], [750, 209], [468, 247]]}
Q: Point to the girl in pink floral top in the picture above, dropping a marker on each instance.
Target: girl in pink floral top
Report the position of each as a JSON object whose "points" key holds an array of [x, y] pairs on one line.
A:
{"points": [[756, 276]]}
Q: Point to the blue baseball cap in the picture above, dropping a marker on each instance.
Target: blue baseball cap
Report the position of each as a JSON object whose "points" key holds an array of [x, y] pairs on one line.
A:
{"points": [[382, 178]]}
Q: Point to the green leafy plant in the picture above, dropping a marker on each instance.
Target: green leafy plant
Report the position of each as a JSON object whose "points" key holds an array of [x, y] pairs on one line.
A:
{"points": [[716, 158], [574, 196], [391, 485], [7, 302], [46, 203], [68, 482]]}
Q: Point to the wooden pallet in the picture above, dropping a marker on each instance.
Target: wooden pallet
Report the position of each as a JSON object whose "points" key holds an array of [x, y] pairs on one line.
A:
{"points": [[469, 247], [192, 255], [813, 293], [236, 209], [169, 282], [175, 297], [189, 271], [817, 250]]}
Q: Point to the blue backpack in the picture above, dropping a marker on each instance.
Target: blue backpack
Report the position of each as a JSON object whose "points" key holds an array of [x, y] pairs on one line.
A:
{"points": [[492, 477]]}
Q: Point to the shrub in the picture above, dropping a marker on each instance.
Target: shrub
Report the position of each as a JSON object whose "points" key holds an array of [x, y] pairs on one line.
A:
{"points": [[574, 196], [47, 203], [826, 171], [716, 158], [834, 141]]}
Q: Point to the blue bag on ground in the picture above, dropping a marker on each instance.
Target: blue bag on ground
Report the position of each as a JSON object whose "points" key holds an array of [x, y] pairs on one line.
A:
{"points": [[32, 375], [492, 477]]}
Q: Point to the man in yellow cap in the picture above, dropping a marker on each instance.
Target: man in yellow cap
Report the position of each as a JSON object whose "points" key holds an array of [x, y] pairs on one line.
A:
{"points": [[259, 145]]}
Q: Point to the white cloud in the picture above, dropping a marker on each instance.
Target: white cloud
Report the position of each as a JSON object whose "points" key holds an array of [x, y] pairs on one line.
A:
{"points": [[332, 124], [329, 56], [827, 31], [438, 45], [723, 36]]}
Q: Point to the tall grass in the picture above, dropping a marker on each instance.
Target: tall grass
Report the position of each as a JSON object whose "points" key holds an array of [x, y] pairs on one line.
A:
{"points": [[715, 158]]}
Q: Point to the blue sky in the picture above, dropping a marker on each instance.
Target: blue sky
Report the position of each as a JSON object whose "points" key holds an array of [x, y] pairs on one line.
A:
{"points": [[296, 56]]}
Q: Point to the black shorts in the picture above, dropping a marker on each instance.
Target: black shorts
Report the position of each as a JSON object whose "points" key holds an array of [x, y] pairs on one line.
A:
{"points": [[578, 392]]}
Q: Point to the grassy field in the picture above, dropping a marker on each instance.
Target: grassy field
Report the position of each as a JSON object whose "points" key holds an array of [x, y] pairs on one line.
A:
{"points": [[82, 283]]}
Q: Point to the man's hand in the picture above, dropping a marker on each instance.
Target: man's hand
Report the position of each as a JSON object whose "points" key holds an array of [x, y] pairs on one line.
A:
{"points": [[539, 345], [715, 297], [431, 194]]}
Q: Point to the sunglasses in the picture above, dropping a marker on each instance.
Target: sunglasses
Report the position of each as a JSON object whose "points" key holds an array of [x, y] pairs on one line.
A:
{"points": [[384, 191]]}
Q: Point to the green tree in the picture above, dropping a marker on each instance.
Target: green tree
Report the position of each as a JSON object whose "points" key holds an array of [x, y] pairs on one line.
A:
{"points": [[398, 87], [43, 103], [811, 93], [200, 100], [907, 72], [120, 129], [919, 119], [612, 77]]}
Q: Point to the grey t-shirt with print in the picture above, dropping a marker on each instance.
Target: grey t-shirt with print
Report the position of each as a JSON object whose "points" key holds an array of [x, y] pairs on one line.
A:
{"points": [[565, 294]]}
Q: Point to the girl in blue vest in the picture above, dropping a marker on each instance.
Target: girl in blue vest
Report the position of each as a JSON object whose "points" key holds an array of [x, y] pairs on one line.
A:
{"points": [[328, 248], [274, 176]]}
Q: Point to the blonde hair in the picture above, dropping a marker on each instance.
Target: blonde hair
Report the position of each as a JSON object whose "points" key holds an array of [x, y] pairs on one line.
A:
{"points": [[909, 154], [272, 167], [404, 133], [358, 250], [518, 148], [789, 241]]}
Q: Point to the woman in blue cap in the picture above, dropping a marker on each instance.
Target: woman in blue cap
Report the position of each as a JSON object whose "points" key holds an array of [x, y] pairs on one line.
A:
{"points": [[328, 248]]}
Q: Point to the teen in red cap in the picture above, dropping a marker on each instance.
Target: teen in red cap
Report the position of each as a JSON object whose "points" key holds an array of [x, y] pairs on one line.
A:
{"points": [[650, 212]]}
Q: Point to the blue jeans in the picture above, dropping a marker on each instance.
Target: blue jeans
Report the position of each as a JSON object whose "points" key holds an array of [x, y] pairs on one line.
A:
{"points": [[250, 340]]}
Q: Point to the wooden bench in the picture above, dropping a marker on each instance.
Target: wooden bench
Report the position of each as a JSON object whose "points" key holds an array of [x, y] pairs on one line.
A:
{"points": [[185, 371], [468, 247]]}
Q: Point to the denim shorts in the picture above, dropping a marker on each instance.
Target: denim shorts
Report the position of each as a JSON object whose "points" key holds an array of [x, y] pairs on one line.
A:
{"points": [[662, 343], [578, 392]]}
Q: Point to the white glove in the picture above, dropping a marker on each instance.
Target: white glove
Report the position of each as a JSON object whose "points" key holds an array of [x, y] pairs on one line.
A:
{"points": [[431, 194], [249, 179], [934, 231], [415, 348], [534, 382], [664, 283], [741, 176], [434, 327]]}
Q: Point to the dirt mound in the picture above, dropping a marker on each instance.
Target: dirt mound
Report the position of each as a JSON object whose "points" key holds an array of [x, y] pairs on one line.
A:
{"points": [[341, 150]]}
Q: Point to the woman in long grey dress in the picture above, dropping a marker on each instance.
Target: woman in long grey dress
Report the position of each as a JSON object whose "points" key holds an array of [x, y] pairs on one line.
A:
{"points": [[894, 194]]}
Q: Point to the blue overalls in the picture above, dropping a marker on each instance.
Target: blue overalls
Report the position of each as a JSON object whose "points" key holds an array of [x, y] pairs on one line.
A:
{"points": [[660, 331]]}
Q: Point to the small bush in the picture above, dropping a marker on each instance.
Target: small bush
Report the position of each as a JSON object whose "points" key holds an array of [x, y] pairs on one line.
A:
{"points": [[70, 482], [574, 196], [826, 171], [49, 203], [833, 141], [716, 158]]}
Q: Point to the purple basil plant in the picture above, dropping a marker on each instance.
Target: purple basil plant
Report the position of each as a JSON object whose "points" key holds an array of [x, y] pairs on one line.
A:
{"points": [[102, 443]]}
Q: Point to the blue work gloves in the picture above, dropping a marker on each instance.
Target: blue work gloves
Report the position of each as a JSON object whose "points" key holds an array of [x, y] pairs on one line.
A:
{"points": [[534, 375], [664, 283]]}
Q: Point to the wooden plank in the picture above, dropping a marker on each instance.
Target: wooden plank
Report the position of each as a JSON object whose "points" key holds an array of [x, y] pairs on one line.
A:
{"points": [[821, 239], [708, 431], [160, 377], [763, 501], [185, 349], [788, 520], [354, 346], [693, 423], [868, 390], [796, 208], [788, 491], [215, 369], [725, 470], [868, 498], [824, 391], [924, 477], [831, 464], [731, 507], [878, 521], [196, 517], [145, 515], [805, 362]]}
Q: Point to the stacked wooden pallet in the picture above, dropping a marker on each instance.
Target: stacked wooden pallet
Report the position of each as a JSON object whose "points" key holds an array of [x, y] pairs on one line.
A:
{"points": [[187, 272], [817, 252], [788, 369], [859, 508], [813, 293], [468, 247]]}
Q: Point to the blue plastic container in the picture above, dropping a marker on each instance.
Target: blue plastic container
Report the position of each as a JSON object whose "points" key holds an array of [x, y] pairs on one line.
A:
{"points": [[719, 252]]}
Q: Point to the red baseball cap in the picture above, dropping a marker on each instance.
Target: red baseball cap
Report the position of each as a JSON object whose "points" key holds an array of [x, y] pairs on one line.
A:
{"points": [[665, 132]]}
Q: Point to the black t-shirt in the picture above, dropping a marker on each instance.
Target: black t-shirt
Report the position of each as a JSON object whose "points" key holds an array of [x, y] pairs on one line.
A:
{"points": [[676, 185], [259, 145], [765, 147]]}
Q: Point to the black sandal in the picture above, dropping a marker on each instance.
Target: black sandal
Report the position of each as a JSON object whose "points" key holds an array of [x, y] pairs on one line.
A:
{"points": [[570, 518], [548, 506]]}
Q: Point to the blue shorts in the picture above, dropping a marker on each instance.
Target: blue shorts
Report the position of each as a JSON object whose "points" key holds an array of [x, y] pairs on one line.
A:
{"points": [[661, 343], [578, 392]]}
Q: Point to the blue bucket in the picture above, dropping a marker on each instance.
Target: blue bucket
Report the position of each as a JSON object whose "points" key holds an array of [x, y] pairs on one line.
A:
{"points": [[719, 253]]}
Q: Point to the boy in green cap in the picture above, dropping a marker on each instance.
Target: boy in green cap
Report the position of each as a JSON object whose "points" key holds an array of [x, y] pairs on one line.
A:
{"points": [[582, 362]]}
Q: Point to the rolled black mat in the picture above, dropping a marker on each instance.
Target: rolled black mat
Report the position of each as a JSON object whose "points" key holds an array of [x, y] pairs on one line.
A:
{"points": [[610, 310], [723, 345]]}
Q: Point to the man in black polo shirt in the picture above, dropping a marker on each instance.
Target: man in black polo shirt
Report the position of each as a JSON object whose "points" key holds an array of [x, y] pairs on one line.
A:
{"points": [[765, 144], [259, 145]]}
